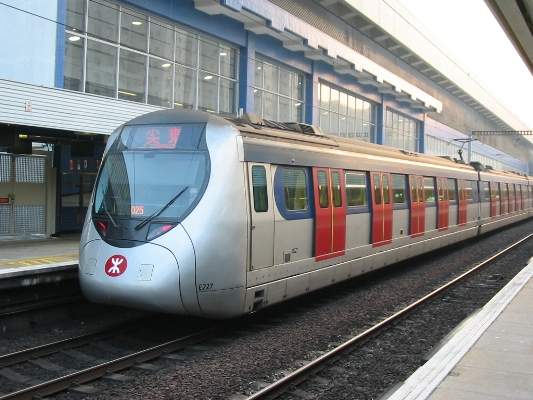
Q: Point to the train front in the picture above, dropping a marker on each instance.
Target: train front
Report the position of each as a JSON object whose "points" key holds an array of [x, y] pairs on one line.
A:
{"points": [[134, 248]]}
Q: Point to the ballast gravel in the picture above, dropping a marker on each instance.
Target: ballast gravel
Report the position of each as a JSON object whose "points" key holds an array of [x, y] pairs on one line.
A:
{"points": [[279, 339]]}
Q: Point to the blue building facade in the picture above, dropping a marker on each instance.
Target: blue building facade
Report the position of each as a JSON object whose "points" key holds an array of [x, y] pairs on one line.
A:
{"points": [[71, 71]]}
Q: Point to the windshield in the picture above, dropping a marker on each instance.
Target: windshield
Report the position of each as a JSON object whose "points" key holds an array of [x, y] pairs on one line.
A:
{"points": [[147, 166]]}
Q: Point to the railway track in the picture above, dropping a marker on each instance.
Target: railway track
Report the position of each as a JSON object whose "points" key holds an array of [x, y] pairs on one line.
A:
{"points": [[289, 383], [97, 370], [15, 309]]}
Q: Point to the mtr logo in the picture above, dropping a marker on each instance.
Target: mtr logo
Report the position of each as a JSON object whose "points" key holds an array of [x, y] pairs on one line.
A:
{"points": [[116, 265]]}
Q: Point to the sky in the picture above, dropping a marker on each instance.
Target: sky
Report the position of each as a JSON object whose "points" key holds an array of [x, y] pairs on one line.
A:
{"points": [[472, 37]]}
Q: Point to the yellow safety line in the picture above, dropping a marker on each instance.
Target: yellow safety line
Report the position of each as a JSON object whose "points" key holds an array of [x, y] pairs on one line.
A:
{"points": [[25, 262]]}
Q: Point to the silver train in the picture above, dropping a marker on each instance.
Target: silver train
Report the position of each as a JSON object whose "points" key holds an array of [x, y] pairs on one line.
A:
{"points": [[200, 215]]}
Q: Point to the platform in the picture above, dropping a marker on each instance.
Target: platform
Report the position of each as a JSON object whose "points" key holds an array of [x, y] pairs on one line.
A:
{"points": [[489, 357], [32, 261]]}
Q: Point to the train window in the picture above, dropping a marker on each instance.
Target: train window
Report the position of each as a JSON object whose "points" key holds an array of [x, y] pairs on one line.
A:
{"points": [[336, 187], [414, 192], [295, 189], [452, 189], [468, 192], [377, 188], [485, 191], [355, 189], [259, 185], [429, 189], [386, 199], [398, 188], [323, 190], [496, 190]]}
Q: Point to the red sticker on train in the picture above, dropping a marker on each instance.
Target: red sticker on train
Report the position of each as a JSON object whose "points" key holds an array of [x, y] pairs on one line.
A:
{"points": [[116, 265]]}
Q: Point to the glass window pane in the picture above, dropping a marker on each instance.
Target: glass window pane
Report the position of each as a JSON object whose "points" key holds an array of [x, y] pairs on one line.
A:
{"points": [[324, 96], [258, 73], [227, 62], [297, 111], [323, 189], [398, 188], [208, 56], [73, 68], [295, 189], [336, 188], [386, 199], [359, 111], [259, 185], [187, 49], [342, 126], [103, 20], [184, 87], [324, 121], [258, 102], [351, 106], [132, 76], [270, 106], [207, 92], [75, 18], [227, 96], [160, 83], [429, 190], [101, 69], [161, 39], [377, 188], [133, 29], [270, 73], [414, 191], [333, 123], [356, 189], [297, 83], [284, 109], [334, 100], [285, 82], [343, 103], [350, 128]]}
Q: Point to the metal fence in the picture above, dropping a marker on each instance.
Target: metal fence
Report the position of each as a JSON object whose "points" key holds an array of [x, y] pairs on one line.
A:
{"points": [[22, 195]]}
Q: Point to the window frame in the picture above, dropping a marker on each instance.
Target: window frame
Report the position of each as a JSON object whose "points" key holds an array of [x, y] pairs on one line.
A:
{"points": [[406, 194], [279, 194], [262, 167], [434, 202], [359, 208]]}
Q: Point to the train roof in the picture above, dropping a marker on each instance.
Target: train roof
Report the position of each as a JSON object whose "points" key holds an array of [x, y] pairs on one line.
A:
{"points": [[310, 135], [253, 127]]}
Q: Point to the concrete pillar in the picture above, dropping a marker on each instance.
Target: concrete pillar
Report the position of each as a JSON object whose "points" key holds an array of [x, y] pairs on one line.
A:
{"points": [[247, 74], [312, 113], [380, 121]]}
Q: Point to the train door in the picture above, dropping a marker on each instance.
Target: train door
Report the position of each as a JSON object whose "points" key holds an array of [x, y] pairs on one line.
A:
{"points": [[418, 206], [330, 213], [463, 202], [443, 205], [262, 216], [381, 208], [493, 188], [510, 198]]}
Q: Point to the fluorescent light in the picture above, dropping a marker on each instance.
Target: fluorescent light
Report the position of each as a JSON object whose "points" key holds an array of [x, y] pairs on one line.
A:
{"points": [[127, 93], [297, 104], [255, 90], [178, 104], [223, 53], [74, 38], [259, 68], [208, 77], [166, 65], [136, 23]]}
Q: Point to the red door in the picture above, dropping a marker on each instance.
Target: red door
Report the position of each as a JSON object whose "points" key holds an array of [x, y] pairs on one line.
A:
{"points": [[381, 208], [443, 205], [330, 213], [417, 224], [462, 214], [510, 198], [493, 188]]}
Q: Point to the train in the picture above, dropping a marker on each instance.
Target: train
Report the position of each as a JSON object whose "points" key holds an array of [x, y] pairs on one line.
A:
{"points": [[198, 214]]}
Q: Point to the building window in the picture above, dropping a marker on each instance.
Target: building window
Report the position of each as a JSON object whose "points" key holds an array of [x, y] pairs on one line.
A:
{"points": [[278, 92], [343, 114], [128, 55], [401, 131]]}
